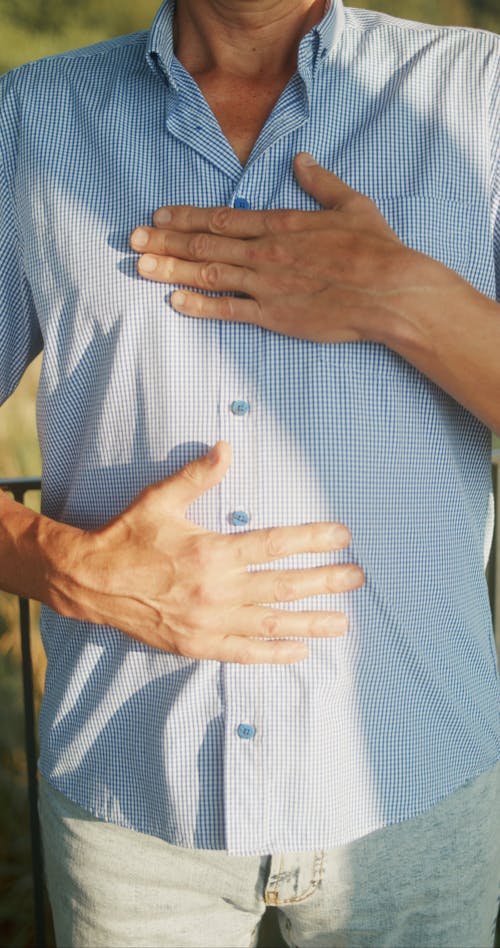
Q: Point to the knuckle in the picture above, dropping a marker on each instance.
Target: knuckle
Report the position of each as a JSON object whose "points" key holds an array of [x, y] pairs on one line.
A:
{"points": [[202, 595], [244, 656], [186, 217], [273, 222], [192, 474], [255, 251], [218, 220], [278, 222], [167, 268], [190, 648], [234, 648], [226, 307], [210, 275], [278, 252], [199, 555], [273, 543], [198, 246], [270, 624], [284, 590], [278, 652], [163, 240], [232, 545]]}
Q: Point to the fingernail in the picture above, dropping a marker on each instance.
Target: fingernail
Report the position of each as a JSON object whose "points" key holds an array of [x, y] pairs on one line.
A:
{"points": [[178, 298], [339, 534], [162, 216], [148, 264], [212, 455], [337, 624], [140, 237]]}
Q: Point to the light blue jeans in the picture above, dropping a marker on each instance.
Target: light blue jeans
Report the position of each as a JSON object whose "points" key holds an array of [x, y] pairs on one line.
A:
{"points": [[432, 881]]}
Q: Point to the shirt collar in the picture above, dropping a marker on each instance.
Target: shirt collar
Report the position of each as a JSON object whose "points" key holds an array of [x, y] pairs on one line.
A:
{"points": [[330, 28], [313, 50], [160, 43]]}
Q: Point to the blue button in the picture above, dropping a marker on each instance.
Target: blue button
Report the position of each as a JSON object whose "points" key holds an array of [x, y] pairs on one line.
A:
{"points": [[240, 407], [241, 202], [246, 730], [239, 518]]}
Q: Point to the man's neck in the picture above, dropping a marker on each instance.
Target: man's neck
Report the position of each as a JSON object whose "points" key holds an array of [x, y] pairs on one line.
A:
{"points": [[250, 40]]}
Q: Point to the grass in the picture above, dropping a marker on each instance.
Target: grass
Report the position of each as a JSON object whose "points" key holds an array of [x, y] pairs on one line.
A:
{"points": [[79, 24]]}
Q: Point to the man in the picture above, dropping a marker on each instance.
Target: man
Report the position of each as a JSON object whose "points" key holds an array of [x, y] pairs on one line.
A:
{"points": [[271, 674]]}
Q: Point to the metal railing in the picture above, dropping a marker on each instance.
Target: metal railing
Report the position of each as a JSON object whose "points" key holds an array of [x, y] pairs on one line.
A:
{"points": [[19, 487], [494, 562]]}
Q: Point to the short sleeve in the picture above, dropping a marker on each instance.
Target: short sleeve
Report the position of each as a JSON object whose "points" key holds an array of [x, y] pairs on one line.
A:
{"points": [[495, 161], [20, 336]]}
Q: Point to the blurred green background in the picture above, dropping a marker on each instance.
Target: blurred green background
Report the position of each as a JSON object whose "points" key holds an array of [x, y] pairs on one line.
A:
{"points": [[30, 29], [34, 28]]}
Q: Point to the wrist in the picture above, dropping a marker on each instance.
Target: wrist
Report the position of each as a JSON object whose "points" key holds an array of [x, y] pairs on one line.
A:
{"points": [[35, 551], [65, 552], [449, 331], [414, 312]]}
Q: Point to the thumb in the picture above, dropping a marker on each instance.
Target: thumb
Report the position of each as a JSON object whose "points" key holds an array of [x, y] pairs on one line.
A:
{"points": [[198, 476], [329, 190]]}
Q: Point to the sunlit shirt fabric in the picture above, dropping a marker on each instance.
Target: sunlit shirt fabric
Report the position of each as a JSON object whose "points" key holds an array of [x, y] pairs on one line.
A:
{"points": [[374, 727]]}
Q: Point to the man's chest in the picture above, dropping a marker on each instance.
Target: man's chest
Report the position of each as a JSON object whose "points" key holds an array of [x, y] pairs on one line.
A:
{"points": [[77, 214], [144, 381]]}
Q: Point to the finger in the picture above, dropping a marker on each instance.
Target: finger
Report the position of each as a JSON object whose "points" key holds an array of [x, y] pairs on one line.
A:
{"points": [[244, 651], [289, 585], [325, 186], [255, 624], [218, 277], [272, 623], [229, 222], [194, 479], [229, 308], [259, 622], [275, 543], [188, 246]]}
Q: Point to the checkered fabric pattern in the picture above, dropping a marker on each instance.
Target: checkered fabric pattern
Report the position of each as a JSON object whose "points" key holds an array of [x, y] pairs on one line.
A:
{"points": [[377, 726]]}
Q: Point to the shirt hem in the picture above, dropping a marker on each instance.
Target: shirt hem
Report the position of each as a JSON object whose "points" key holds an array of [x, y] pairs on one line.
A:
{"points": [[172, 839]]}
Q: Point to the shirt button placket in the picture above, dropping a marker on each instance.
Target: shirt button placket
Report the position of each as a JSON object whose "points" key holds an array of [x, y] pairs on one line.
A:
{"points": [[243, 735], [239, 409]]}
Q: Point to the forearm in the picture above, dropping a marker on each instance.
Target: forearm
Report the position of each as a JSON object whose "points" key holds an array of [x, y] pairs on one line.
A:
{"points": [[451, 333], [35, 552]]}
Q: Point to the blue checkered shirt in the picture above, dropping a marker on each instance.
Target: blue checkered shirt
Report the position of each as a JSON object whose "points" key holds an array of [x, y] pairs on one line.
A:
{"points": [[376, 726]]}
